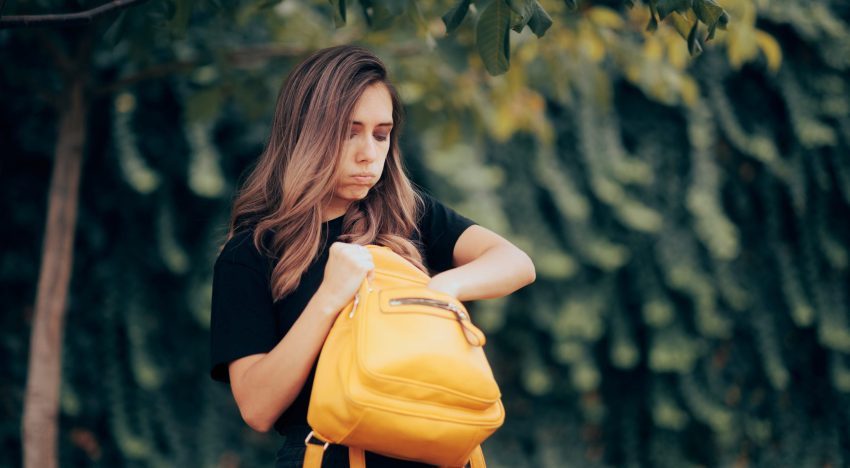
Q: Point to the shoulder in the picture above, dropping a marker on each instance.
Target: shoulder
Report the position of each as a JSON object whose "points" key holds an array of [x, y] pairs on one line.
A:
{"points": [[426, 205], [434, 213], [241, 250]]}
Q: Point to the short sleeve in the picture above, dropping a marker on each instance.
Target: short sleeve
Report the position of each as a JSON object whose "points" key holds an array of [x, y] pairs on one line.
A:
{"points": [[440, 227], [242, 320]]}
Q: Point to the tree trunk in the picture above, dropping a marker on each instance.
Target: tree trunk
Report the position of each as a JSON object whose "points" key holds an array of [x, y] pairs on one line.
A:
{"points": [[41, 404]]}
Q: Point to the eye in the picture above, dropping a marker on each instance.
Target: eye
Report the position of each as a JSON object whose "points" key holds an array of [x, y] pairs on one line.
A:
{"points": [[382, 137]]}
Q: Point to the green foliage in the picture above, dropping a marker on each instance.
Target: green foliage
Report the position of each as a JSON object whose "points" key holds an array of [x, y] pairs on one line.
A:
{"points": [[339, 11], [539, 22], [455, 16], [688, 219], [734, 289], [493, 37]]}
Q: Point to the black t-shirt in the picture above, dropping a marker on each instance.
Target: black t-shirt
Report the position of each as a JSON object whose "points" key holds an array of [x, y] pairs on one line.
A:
{"points": [[245, 320]]}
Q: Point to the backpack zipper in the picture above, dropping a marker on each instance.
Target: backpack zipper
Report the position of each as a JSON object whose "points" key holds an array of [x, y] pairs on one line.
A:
{"points": [[461, 315]]}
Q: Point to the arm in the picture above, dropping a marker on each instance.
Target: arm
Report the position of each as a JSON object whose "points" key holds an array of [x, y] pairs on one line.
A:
{"points": [[486, 266], [264, 385]]}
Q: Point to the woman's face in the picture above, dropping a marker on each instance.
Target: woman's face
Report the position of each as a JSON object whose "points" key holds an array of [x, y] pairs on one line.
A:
{"points": [[365, 150]]}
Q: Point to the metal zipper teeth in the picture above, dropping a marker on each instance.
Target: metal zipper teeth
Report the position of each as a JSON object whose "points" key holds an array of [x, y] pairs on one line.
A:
{"points": [[429, 302]]}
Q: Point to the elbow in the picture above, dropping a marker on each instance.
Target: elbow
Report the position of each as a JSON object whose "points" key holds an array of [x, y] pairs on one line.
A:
{"points": [[255, 406], [530, 274], [256, 422], [261, 428], [523, 267]]}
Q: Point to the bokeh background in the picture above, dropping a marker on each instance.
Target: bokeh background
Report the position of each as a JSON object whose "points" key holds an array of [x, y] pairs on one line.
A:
{"points": [[688, 216]]}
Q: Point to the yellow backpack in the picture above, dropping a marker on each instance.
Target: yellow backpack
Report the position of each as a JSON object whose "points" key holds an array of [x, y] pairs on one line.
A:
{"points": [[402, 373]]}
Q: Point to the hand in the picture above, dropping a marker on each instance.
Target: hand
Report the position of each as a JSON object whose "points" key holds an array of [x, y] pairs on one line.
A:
{"points": [[348, 265], [442, 284]]}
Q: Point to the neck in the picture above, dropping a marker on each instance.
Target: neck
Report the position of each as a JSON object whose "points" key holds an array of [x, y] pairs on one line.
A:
{"points": [[333, 212]]}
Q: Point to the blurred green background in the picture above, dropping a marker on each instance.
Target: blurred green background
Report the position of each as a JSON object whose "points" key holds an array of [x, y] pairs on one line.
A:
{"points": [[688, 216]]}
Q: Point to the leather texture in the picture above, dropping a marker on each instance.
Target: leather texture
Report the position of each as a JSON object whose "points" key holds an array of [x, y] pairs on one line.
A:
{"points": [[403, 373]]}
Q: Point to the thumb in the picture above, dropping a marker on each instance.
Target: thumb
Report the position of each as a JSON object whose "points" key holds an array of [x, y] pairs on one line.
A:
{"points": [[370, 276]]}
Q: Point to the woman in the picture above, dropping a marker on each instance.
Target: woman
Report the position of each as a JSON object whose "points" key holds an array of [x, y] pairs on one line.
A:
{"points": [[330, 181]]}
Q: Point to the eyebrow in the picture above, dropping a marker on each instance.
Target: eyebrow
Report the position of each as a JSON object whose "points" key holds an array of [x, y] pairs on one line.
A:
{"points": [[382, 124]]}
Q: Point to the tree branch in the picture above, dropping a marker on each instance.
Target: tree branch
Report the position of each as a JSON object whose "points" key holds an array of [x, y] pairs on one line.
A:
{"points": [[64, 19], [246, 57]]}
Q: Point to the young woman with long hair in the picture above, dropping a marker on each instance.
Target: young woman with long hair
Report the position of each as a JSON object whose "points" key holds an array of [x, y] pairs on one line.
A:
{"points": [[330, 181]]}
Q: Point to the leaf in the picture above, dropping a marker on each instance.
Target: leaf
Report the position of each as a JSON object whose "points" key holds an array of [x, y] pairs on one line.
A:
{"points": [[572, 5], [523, 10], [710, 34], [721, 22], [652, 26], [771, 50], [455, 16], [380, 14], [681, 24], [694, 46], [339, 12], [540, 20], [180, 20], [368, 9], [493, 37], [665, 7], [629, 3], [531, 13], [708, 11]]}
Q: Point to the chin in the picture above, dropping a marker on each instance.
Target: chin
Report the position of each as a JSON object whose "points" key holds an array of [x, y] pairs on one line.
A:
{"points": [[357, 195]]}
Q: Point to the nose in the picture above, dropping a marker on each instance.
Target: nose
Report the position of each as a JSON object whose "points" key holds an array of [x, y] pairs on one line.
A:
{"points": [[367, 150]]}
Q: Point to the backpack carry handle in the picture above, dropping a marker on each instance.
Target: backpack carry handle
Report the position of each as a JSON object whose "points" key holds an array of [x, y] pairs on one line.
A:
{"points": [[357, 457]]}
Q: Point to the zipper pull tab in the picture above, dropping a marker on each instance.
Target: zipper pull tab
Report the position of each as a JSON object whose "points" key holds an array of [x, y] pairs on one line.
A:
{"points": [[354, 308], [357, 296], [473, 335]]}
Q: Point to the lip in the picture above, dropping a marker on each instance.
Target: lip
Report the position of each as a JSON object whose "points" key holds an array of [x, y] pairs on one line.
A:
{"points": [[363, 178]]}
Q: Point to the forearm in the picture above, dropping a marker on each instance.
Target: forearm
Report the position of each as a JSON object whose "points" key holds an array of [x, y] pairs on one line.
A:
{"points": [[498, 272], [269, 386]]}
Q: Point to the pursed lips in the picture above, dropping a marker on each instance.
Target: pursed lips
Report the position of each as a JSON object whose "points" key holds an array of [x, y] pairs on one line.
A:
{"points": [[363, 178]]}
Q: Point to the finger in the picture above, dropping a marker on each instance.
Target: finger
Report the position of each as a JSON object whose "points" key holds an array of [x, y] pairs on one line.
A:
{"points": [[366, 264], [355, 252], [364, 255]]}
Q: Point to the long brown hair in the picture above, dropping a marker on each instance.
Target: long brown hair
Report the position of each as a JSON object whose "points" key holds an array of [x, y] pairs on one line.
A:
{"points": [[283, 197]]}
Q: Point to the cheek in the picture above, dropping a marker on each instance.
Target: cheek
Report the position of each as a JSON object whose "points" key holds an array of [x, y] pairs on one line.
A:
{"points": [[383, 163], [346, 153]]}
